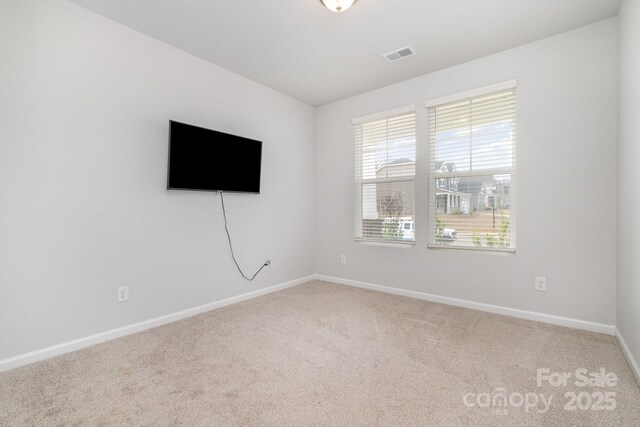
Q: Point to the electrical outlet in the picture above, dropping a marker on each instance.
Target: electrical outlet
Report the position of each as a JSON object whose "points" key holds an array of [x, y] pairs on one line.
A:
{"points": [[541, 284], [343, 259], [122, 294]]}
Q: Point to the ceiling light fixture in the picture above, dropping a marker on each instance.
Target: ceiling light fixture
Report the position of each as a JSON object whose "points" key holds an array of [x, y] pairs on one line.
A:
{"points": [[338, 5]]}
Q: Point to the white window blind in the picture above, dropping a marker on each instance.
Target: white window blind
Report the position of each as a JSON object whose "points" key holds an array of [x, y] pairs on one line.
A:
{"points": [[385, 149], [472, 145]]}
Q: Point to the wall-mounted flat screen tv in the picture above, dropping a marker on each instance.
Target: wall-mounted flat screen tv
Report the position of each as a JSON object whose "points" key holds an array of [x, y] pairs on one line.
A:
{"points": [[208, 160]]}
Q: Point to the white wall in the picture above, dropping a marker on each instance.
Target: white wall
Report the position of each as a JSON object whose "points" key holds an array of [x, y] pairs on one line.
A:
{"points": [[84, 111], [566, 208], [628, 291]]}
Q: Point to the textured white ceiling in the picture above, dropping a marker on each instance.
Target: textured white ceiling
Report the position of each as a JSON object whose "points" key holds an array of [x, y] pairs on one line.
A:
{"points": [[300, 48]]}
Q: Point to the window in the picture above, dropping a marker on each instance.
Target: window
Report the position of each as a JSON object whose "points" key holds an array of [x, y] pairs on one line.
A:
{"points": [[472, 147], [385, 176]]}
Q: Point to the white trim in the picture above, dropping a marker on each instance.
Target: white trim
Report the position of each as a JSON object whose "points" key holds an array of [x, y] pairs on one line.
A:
{"points": [[489, 308], [80, 343], [495, 251], [478, 173], [400, 244], [628, 355], [384, 114], [409, 178], [510, 84]]}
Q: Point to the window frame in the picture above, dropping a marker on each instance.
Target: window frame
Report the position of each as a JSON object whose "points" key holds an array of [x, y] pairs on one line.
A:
{"points": [[433, 177], [361, 182]]}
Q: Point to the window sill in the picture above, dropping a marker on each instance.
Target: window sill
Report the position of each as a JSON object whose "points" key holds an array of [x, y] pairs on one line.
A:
{"points": [[488, 251], [398, 245]]}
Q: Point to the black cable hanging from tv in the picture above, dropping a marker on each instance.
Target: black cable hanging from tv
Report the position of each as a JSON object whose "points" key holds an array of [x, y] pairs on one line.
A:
{"points": [[224, 214]]}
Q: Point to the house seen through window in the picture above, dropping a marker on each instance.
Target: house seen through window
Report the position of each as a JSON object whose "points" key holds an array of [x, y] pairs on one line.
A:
{"points": [[385, 175], [472, 172]]}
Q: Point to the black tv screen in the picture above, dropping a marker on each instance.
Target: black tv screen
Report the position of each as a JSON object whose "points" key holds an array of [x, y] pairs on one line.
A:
{"points": [[208, 160]]}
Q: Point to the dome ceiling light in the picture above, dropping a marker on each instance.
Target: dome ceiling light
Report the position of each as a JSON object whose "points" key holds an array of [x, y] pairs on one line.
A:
{"points": [[338, 5]]}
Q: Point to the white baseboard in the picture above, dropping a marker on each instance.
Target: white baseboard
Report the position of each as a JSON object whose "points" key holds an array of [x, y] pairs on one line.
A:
{"points": [[628, 355], [80, 343], [56, 350], [496, 309]]}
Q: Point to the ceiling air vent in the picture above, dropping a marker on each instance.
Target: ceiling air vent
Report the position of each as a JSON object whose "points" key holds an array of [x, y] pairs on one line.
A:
{"points": [[399, 54]]}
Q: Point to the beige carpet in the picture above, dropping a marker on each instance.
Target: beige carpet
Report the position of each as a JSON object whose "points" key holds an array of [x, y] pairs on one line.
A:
{"points": [[322, 354]]}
